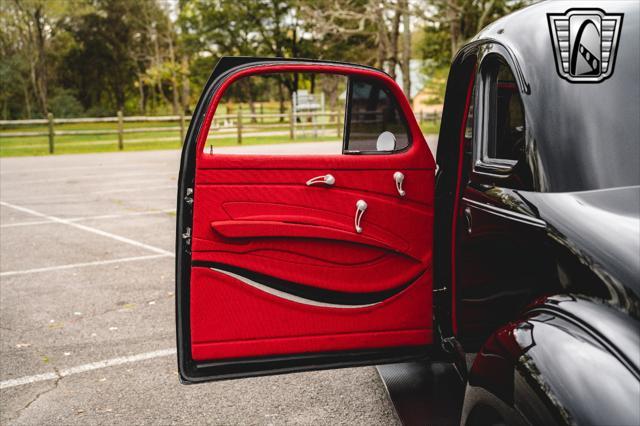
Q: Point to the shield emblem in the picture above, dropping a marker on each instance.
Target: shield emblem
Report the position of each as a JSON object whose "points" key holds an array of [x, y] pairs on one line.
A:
{"points": [[585, 42]]}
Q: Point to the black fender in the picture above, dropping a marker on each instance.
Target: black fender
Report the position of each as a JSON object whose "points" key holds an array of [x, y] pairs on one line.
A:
{"points": [[567, 360]]}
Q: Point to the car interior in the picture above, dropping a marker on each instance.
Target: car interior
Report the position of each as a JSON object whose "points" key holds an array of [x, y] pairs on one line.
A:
{"points": [[302, 254]]}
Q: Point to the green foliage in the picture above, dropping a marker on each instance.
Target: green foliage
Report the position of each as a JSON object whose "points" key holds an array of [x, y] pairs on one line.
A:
{"points": [[13, 84], [437, 85], [200, 68], [94, 57], [451, 23], [65, 104], [33, 40], [216, 28], [102, 66], [435, 48]]}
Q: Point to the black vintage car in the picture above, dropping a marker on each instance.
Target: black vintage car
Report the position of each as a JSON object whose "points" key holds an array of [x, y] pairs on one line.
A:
{"points": [[518, 248]]}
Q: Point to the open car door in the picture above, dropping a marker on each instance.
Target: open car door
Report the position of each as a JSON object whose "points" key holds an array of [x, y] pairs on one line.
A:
{"points": [[300, 262]]}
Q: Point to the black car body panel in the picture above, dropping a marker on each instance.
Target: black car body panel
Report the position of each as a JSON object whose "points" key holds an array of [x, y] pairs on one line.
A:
{"points": [[552, 245], [580, 138], [600, 232], [580, 132], [553, 367]]}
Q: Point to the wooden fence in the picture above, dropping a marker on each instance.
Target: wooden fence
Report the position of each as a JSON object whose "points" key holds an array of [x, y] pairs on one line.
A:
{"points": [[118, 129], [239, 124]]}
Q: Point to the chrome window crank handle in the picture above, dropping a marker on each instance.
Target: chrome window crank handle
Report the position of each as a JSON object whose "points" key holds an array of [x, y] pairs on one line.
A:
{"points": [[326, 179], [399, 178], [361, 206]]}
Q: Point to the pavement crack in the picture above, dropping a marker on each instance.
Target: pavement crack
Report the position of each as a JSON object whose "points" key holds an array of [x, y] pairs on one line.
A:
{"points": [[90, 315], [38, 395]]}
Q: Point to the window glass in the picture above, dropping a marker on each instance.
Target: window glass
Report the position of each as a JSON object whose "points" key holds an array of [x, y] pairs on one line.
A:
{"points": [[280, 113], [508, 136], [376, 121]]}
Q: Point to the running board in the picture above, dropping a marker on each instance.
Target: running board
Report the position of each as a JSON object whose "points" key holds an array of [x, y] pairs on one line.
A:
{"points": [[424, 393]]}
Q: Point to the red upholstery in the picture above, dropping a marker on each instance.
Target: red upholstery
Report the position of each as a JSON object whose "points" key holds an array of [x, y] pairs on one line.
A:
{"points": [[236, 320], [255, 212]]}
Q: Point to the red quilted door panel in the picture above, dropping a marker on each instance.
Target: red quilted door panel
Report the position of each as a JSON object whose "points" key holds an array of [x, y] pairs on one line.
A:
{"points": [[277, 267], [276, 228]]}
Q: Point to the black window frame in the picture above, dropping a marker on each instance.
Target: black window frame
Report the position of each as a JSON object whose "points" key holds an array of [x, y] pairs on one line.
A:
{"points": [[485, 112]]}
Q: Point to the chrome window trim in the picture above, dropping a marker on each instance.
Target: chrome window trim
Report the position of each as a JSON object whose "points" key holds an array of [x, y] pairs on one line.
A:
{"points": [[483, 121], [505, 213]]}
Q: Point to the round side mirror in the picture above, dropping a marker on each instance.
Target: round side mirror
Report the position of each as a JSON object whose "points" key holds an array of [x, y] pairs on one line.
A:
{"points": [[386, 142]]}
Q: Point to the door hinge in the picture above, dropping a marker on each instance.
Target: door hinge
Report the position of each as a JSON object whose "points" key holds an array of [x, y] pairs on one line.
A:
{"points": [[451, 346], [186, 236], [188, 198]]}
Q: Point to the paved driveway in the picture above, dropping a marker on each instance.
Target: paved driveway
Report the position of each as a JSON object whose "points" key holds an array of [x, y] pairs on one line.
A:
{"points": [[87, 308]]}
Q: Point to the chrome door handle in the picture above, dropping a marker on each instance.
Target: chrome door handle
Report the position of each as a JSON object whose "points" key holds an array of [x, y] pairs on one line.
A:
{"points": [[467, 216], [361, 206], [325, 179], [399, 178]]}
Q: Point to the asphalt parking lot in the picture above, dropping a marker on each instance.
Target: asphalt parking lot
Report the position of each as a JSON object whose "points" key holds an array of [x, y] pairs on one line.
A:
{"points": [[87, 308]]}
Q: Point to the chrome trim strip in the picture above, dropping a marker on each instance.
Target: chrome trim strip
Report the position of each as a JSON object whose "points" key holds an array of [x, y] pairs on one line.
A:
{"points": [[288, 296], [507, 214]]}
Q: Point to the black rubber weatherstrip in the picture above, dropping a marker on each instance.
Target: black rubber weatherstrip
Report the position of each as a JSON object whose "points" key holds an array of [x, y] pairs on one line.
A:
{"points": [[308, 292]]}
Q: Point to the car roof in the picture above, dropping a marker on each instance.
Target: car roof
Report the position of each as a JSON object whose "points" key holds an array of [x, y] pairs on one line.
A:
{"points": [[586, 134]]}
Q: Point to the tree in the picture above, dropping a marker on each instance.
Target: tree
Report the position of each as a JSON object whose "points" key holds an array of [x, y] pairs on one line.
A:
{"points": [[118, 44], [34, 25], [249, 28], [405, 62], [450, 23], [132, 55], [15, 87], [379, 22], [156, 54]]}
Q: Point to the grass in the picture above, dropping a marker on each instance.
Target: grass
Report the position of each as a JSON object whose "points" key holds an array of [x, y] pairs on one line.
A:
{"points": [[169, 139], [430, 127]]}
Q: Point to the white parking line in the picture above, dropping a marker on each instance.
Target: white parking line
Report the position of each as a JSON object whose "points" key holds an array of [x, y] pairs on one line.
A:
{"points": [[64, 168], [81, 218], [88, 229], [80, 265], [28, 379], [85, 193], [85, 178], [86, 367]]}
